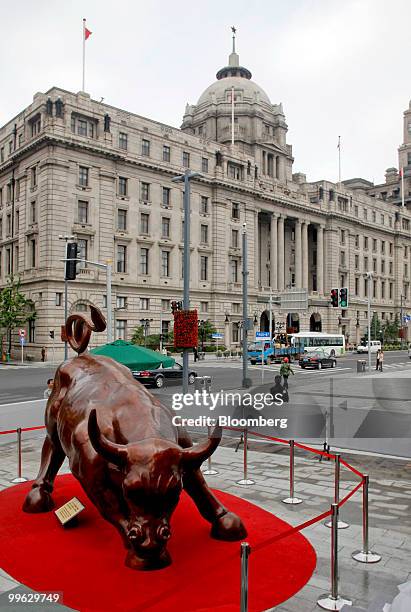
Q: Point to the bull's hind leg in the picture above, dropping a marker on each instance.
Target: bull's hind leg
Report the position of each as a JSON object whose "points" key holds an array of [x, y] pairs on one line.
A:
{"points": [[225, 525], [39, 498]]}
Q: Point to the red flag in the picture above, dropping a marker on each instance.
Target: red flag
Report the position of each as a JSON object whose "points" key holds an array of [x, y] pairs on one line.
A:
{"points": [[401, 172], [87, 33]]}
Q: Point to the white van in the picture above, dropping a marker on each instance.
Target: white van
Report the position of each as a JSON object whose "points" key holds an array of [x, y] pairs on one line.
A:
{"points": [[375, 345]]}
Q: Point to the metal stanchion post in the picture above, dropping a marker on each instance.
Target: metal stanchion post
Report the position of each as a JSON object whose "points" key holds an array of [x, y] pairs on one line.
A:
{"points": [[245, 480], [334, 601], [19, 478], [292, 500], [341, 524], [365, 555], [244, 553], [210, 471]]}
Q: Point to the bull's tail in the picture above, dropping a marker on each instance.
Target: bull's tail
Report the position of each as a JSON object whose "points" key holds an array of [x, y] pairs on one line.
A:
{"points": [[78, 329]]}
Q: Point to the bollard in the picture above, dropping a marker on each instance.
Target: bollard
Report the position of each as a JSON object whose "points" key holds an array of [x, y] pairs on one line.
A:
{"points": [[19, 478], [334, 601], [210, 471], [341, 524], [245, 480], [365, 555], [244, 554], [292, 499]]}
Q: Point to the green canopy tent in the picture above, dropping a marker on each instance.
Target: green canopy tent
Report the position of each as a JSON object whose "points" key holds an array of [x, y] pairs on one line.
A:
{"points": [[133, 356]]}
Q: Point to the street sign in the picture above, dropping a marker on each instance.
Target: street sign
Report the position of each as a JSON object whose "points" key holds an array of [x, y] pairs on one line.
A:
{"points": [[262, 335], [216, 336], [22, 340], [22, 333], [294, 300]]}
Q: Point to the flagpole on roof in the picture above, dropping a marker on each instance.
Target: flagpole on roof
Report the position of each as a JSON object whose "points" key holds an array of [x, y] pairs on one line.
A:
{"points": [[84, 55], [339, 160], [402, 187]]}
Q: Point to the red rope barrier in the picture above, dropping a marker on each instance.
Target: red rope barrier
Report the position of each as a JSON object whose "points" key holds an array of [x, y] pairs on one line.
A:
{"points": [[350, 467], [314, 450], [8, 431], [350, 494]]}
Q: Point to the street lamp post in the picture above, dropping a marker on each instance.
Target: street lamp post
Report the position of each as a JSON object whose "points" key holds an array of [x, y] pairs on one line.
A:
{"points": [[66, 238], [185, 178], [246, 382], [402, 322], [368, 276]]}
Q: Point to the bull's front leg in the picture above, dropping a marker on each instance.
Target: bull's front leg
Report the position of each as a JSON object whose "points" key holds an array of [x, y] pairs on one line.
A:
{"points": [[39, 498], [225, 525]]}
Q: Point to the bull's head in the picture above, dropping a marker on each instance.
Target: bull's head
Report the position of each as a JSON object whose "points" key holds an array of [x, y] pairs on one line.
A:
{"points": [[151, 478]]}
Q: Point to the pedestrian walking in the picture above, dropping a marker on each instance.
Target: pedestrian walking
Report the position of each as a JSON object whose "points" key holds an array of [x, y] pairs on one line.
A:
{"points": [[195, 351], [285, 371], [43, 353], [377, 363], [47, 392], [381, 361]]}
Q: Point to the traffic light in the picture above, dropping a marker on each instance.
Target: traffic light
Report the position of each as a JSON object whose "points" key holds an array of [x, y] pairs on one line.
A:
{"points": [[334, 298], [51, 334], [344, 297], [71, 253]]}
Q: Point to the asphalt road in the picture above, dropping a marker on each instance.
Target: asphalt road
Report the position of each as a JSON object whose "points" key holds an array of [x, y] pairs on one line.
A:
{"points": [[356, 405]]}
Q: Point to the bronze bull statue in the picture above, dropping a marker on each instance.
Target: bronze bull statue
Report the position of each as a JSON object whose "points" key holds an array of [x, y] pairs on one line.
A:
{"points": [[123, 448]]}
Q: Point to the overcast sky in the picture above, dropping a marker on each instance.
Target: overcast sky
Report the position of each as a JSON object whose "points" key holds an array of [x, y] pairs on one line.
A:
{"points": [[340, 67]]}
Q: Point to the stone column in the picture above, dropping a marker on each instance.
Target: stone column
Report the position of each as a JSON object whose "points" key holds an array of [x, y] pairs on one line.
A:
{"points": [[320, 259], [227, 334], [305, 255], [280, 253], [298, 264], [256, 250], [273, 252]]}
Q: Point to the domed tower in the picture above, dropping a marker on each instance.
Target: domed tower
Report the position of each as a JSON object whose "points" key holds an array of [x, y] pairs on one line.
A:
{"points": [[259, 127]]}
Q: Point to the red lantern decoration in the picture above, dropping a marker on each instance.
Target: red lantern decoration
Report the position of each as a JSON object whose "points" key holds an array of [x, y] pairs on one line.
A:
{"points": [[185, 328]]}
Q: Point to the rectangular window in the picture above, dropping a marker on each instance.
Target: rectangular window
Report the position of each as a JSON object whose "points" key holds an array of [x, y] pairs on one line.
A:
{"points": [[234, 238], [82, 251], [121, 301], [355, 210], [203, 268], [234, 270], [166, 153], [204, 205], [165, 263], [123, 141], [143, 261], [365, 214], [366, 264], [8, 225], [234, 171], [122, 220], [390, 268], [235, 307], [58, 299], [121, 329], [204, 234], [82, 211], [365, 242], [83, 176], [145, 147], [144, 223], [391, 290], [383, 290], [382, 266], [405, 270], [342, 238], [374, 265], [33, 176], [144, 303], [357, 241], [382, 246], [33, 253], [145, 192], [390, 248], [36, 126], [235, 210], [204, 164], [203, 307], [374, 245], [356, 262], [165, 305], [122, 186], [186, 159], [357, 286], [165, 227], [33, 212], [166, 196], [82, 127], [374, 289], [121, 258]]}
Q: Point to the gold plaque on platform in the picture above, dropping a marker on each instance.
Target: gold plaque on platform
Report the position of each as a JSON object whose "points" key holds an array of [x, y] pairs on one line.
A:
{"points": [[70, 510]]}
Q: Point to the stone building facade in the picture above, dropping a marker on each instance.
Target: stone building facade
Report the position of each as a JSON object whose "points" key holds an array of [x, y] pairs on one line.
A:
{"points": [[70, 165]]}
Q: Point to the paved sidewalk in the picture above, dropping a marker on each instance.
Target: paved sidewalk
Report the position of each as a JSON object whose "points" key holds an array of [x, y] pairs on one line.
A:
{"points": [[390, 514]]}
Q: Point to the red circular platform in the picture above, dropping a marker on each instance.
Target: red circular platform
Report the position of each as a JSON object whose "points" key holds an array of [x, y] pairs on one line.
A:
{"points": [[86, 562]]}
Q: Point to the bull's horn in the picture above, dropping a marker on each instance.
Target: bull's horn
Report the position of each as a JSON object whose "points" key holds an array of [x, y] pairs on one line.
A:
{"points": [[115, 453], [193, 457]]}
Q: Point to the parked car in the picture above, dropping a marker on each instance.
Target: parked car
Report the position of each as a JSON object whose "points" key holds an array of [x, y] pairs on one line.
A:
{"points": [[157, 377], [375, 345], [317, 360], [409, 350]]}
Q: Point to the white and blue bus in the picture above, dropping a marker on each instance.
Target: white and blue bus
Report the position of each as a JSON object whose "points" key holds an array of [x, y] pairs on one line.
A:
{"points": [[332, 345]]}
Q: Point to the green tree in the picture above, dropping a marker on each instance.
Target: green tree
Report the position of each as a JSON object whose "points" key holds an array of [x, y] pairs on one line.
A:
{"points": [[391, 331], [205, 331], [138, 336], [15, 308]]}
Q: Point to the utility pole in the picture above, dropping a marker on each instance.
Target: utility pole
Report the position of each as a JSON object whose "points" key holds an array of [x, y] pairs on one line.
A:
{"points": [[402, 322], [67, 239], [369, 278]]}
